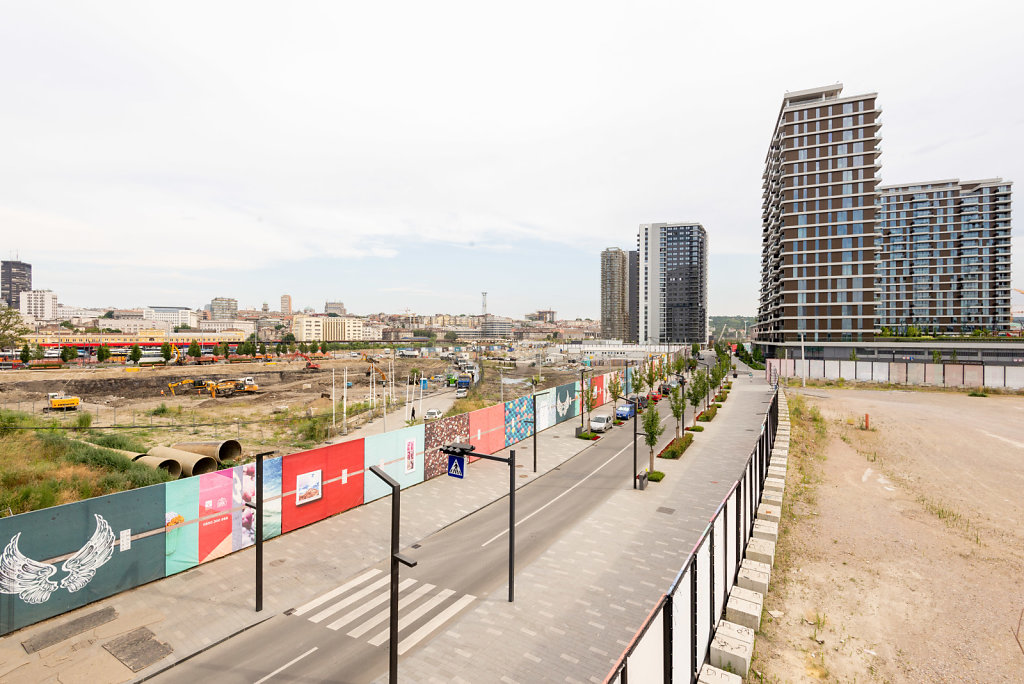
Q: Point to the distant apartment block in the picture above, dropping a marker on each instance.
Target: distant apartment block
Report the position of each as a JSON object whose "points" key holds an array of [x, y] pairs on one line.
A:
{"points": [[323, 328], [39, 304], [496, 327], [672, 290], [337, 308], [223, 309], [286, 305], [175, 315], [219, 325], [15, 278], [943, 252], [818, 219], [543, 316], [633, 296], [614, 294]]}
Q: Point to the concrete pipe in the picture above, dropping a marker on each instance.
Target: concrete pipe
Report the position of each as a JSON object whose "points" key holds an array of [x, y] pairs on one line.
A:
{"points": [[227, 450], [191, 464], [168, 464]]}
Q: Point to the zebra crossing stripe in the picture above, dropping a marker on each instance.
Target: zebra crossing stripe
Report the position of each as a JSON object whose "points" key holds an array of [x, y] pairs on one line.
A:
{"points": [[438, 620], [306, 607], [368, 606], [383, 615], [414, 614], [326, 613]]}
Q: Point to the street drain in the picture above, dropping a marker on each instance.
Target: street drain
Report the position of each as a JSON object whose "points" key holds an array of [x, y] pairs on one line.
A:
{"points": [[666, 511]]}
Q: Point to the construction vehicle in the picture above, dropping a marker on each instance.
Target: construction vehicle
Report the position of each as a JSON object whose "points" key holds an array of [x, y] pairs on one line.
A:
{"points": [[58, 401], [187, 384], [226, 388], [311, 365], [374, 367]]}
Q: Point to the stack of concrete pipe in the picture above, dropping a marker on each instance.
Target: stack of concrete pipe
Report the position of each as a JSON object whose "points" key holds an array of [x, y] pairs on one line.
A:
{"points": [[186, 459]]}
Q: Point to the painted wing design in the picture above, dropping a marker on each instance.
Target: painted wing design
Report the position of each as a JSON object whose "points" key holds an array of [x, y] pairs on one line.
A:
{"points": [[562, 406], [21, 575], [83, 565]]}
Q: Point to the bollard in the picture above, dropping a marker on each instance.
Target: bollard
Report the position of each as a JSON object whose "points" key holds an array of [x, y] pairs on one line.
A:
{"points": [[865, 421]]}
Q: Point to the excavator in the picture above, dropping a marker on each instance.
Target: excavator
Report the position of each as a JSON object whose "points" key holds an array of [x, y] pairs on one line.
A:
{"points": [[226, 388], [311, 365], [185, 385], [374, 367]]}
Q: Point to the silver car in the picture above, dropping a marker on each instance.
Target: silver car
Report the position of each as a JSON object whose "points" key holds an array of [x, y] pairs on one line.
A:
{"points": [[600, 423]]}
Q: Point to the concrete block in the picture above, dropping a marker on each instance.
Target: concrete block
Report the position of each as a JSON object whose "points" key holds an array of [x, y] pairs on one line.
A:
{"points": [[756, 565], [744, 608], [776, 471], [761, 550], [765, 530], [771, 498], [738, 632], [729, 654], [775, 484], [753, 580], [709, 674], [778, 462], [769, 513]]}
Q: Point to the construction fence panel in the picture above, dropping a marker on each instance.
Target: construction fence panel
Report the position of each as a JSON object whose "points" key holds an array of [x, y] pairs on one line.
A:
{"points": [[974, 376], [898, 373], [399, 453], [322, 482], [954, 375], [546, 409], [880, 370], [995, 376], [518, 419], [863, 371], [1014, 377], [61, 558], [565, 402], [933, 374], [847, 370], [487, 429], [915, 373], [439, 433], [832, 370]]}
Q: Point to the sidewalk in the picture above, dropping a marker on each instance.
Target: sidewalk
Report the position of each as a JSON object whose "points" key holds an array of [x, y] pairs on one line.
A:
{"points": [[578, 606], [197, 608]]}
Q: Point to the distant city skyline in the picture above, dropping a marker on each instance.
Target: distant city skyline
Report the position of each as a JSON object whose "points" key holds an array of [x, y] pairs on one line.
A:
{"points": [[153, 162]]}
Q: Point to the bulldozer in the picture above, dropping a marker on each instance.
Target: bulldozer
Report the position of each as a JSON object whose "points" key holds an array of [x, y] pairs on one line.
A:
{"points": [[58, 401]]}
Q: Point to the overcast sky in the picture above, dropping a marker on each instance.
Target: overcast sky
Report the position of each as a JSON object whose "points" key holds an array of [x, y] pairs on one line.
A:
{"points": [[411, 155]]}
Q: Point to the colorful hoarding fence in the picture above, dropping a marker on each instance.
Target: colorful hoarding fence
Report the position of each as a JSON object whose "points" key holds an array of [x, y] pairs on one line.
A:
{"points": [[518, 419]]}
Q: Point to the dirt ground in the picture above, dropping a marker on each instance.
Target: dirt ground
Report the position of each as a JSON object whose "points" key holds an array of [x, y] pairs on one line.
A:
{"points": [[901, 555]]}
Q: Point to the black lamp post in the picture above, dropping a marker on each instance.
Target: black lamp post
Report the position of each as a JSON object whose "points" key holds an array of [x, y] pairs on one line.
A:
{"points": [[636, 412]]}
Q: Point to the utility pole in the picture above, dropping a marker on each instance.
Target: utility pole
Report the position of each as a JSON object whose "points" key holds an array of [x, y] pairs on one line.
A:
{"points": [[803, 362]]}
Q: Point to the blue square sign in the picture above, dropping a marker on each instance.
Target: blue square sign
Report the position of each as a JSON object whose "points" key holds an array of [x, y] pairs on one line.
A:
{"points": [[457, 466]]}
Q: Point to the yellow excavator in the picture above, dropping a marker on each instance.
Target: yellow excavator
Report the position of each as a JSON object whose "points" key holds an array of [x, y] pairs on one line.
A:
{"points": [[374, 367], [226, 388], [187, 384]]}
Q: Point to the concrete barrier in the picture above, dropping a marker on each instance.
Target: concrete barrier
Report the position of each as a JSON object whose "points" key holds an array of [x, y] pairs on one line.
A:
{"points": [[769, 513], [761, 550], [709, 674], [744, 608], [765, 530]]}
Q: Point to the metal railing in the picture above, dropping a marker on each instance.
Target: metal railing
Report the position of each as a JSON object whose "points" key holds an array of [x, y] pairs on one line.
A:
{"points": [[673, 642]]}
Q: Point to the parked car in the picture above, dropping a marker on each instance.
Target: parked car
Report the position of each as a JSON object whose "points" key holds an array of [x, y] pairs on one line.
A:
{"points": [[461, 393], [600, 423], [654, 396], [433, 414], [625, 412], [642, 401]]}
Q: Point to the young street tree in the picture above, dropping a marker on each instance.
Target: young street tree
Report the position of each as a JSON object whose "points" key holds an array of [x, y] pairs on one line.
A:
{"points": [[589, 400], [68, 353], [136, 353], [26, 354], [695, 395], [615, 389], [165, 351], [193, 349], [678, 404], [639, 383], [102, 353], [652, 430]]}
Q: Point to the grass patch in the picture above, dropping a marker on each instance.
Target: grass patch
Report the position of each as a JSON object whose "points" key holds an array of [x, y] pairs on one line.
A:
{"points": [[978, 392], [655, 476], [118, 440], [696, 428]]}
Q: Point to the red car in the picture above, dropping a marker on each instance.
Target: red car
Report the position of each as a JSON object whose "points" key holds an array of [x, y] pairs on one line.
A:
{"points": [[654, 396]]}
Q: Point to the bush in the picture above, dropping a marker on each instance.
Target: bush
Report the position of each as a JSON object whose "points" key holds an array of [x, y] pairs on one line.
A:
{"points": [[587, 435], [721, 396], [83, 420], [979, 392], [655, 476], [696, 428], [709, 415], [676, 447], [118, 441]]}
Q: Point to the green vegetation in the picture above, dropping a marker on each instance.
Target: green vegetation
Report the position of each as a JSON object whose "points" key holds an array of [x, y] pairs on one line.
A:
{"points": [[709, 415], [676, 448], [652, 429], [655, 476], [977, 392], [696, 428], [587, 435], [135, 354], [117, 440]]}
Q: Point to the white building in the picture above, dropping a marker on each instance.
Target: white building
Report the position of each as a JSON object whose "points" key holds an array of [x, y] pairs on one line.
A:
{"points": [[247, 327], [175, 315], [132, 326], [327, 328], [40, 304]]}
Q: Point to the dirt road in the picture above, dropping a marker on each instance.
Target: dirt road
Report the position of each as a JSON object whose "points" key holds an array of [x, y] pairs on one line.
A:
{"points": [[901, 557]]}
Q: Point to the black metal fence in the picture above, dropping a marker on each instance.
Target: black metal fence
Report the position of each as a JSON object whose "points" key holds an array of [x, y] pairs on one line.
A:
{"points": [[673, 642]]}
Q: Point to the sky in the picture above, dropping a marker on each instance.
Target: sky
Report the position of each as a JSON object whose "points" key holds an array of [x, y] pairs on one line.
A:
{"points": [[399, 155]]}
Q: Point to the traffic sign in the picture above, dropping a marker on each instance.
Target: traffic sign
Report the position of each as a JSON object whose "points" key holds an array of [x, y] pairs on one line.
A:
{"points": [[457, 466]]}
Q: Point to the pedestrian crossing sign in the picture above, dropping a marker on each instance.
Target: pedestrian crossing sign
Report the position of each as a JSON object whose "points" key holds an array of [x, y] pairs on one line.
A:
{"points": [[457, 466]]}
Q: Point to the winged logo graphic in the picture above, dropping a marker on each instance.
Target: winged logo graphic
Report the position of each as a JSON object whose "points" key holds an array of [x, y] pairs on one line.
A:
{"points": [[562, 406], [30, 579]]}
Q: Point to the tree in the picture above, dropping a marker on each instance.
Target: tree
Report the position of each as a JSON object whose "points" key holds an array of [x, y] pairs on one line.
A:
{"points": [[954, 357], [26, 354], [165, 351], [102, 353], [652, 429], [194, 350], [853, 354], [650, 375], [451, 336], [679, 366], [589, 399], [263, 348], [694, 349], [68, 353], [288, 338], [639, 382], [135, 354], [108, 314], [678, 404], [615, 389], [936, 356], [303, 348], [279, 349], [695, 395], [67, 324], [38, 353], [12, 328]]}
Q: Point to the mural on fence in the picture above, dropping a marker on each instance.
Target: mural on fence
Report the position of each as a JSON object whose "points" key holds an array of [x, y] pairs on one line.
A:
{"points": [[60, 558], [598, 384], [319, 483], [271, 497], [400, 454], [215, 503], [487, 429], [181, 523], [546, 409], [518, 419], [565, 402], [439, 433]]}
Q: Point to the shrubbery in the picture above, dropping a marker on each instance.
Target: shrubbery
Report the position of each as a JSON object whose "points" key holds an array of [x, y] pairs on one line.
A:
{"points": [[709, 415], [676, 447], [696, 428], [655, 476]]}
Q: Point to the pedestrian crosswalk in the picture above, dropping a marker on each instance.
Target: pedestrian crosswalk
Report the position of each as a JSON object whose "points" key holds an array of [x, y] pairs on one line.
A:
{"points": [[360, 609]]}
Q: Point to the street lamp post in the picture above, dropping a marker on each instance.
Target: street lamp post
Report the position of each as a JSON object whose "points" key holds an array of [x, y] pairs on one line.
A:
{"points": [[258, 510], [803, 362], [396, 559], [636, 412], [463, 449]]}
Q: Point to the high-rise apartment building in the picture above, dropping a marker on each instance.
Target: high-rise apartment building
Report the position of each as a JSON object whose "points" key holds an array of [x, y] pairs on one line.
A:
{"points": [[944, 257], [818, 219], [286, 305], [223, 309], [672, 293], [614, 294], [15, 278], [40, 304], [633, 296]]}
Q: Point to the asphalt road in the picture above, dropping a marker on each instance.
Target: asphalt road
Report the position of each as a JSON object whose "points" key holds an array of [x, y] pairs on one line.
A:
{"points": [[342, 635]]}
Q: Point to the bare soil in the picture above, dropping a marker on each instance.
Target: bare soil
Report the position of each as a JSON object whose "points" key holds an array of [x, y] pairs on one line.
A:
{"points": [[901, 555]]}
